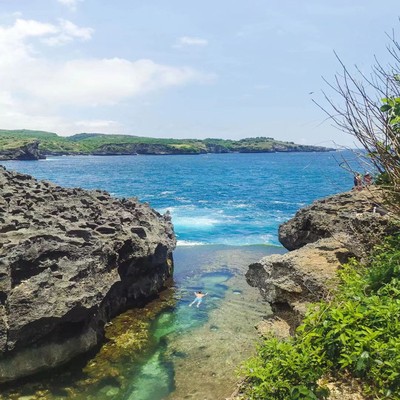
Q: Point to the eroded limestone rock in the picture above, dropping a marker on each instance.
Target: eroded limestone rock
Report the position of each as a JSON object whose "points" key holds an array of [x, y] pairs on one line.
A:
{"points": [[347, 216], [70, 260], [321, 238]]}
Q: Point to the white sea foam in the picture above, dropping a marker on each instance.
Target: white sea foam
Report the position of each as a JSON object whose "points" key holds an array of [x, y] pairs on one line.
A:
{"points": [[189, 216], [240, 205], [196, 222], [166, 192], [189, 243], [282, 202]]}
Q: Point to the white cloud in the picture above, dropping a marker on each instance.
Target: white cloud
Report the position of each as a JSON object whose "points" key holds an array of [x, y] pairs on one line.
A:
{"points": [[94, 82], [186, 41], [71, 4], [35, 89], [67, 32]]}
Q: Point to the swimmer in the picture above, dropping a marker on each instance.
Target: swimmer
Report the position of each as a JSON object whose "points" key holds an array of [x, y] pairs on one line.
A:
{"points": [[198, 299]]}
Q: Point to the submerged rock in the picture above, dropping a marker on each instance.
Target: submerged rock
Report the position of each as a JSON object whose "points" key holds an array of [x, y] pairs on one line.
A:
{"points": [[70, 260]]}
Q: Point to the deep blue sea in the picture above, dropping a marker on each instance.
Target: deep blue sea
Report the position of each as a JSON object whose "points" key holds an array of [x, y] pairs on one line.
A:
{"points": [[233, 199], [226, 209]]}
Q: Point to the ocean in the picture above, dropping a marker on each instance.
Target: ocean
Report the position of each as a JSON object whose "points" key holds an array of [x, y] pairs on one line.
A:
{"points": [[226, 210], [231, 199]]}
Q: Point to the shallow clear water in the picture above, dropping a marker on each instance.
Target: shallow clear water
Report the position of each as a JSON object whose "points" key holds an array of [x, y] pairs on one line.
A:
{"points": [[192, 353], [219, 201]]}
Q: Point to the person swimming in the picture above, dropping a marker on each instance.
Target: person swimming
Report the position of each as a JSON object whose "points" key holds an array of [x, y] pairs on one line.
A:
{"points": [[198, 299]]}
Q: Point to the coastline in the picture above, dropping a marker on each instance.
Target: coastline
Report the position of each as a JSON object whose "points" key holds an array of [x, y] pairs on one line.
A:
{"points": [[200, 252], [321, 238], [36, 145]]}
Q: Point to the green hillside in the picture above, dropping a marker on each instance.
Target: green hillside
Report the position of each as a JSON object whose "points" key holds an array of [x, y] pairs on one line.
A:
{"points": [[97, 143]]}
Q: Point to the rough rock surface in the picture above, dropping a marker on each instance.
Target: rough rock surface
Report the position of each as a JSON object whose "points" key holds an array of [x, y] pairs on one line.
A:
{"points": [[346, 216], [29, 151], [70, 260], [301, 275], [322, 237]]}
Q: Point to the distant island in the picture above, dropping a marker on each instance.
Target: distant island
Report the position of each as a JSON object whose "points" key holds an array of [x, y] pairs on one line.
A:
{"points": [[33, 145]]}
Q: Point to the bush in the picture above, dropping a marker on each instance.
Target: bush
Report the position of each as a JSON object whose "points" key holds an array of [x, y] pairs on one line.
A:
{"points": [[356, 333], [285, 370]]}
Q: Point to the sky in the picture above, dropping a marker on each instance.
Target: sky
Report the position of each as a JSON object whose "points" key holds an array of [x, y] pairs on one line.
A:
{"points": [[183, 69]]}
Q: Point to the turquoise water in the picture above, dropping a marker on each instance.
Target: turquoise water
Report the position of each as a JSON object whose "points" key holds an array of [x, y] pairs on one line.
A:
{"points": [[154, 381], [226, 209], [232, 199], [219, 271]]}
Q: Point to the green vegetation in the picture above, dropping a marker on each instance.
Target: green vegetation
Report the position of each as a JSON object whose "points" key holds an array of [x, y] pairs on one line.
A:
{"points": [[96, 143], [354, 335]]}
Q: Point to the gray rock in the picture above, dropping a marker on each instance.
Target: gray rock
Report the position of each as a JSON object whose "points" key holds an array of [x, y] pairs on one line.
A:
{"points": [[348, 214], [321, 238], [29, 151], [70, 260], [301, 275]]}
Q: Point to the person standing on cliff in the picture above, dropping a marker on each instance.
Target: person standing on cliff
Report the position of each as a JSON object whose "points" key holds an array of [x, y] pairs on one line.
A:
{"points": [[198, 299], [357, 181], [367, 179]]}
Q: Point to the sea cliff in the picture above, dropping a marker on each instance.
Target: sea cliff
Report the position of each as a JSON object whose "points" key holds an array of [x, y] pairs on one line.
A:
{"points": [[70, 260], [50, 144], [320, 239], [28, 151]]}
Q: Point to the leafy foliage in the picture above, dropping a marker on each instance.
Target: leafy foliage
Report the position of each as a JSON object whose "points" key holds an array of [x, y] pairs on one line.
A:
{"points": [[356, 333], [285, 370]]}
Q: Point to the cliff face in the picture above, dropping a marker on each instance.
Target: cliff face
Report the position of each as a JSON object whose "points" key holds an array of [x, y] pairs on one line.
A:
{"points": [[29, 151], [321, 238], [70, 260], [143, 148]]}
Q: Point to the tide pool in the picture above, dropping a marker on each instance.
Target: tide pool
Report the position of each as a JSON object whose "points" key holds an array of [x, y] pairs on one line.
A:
{"points": [[168, 350]]}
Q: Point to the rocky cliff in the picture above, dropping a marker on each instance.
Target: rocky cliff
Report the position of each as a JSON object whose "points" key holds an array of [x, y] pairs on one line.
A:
{"points": [[70, 260], [29, 151], [320, 238]]}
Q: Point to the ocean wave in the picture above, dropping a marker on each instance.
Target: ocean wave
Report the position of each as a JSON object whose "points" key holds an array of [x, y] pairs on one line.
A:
{"points": [[190, 243], [166, 192], [183, 200], [195, 222]]}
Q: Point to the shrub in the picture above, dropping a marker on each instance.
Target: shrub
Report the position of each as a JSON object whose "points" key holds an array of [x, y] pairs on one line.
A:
{"points": [[356, 333]]}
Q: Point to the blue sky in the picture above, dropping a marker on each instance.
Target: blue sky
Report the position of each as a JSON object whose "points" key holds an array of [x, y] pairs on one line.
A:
{"points": [[184, 69]]}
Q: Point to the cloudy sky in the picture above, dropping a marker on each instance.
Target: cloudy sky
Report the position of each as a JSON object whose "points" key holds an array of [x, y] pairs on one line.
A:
{"points": [[178, 68]]}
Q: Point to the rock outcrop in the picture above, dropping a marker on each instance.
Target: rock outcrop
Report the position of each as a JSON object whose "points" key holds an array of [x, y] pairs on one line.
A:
{"points": [[29, 151], [321, 238], [349, 217], [70, 260]]}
